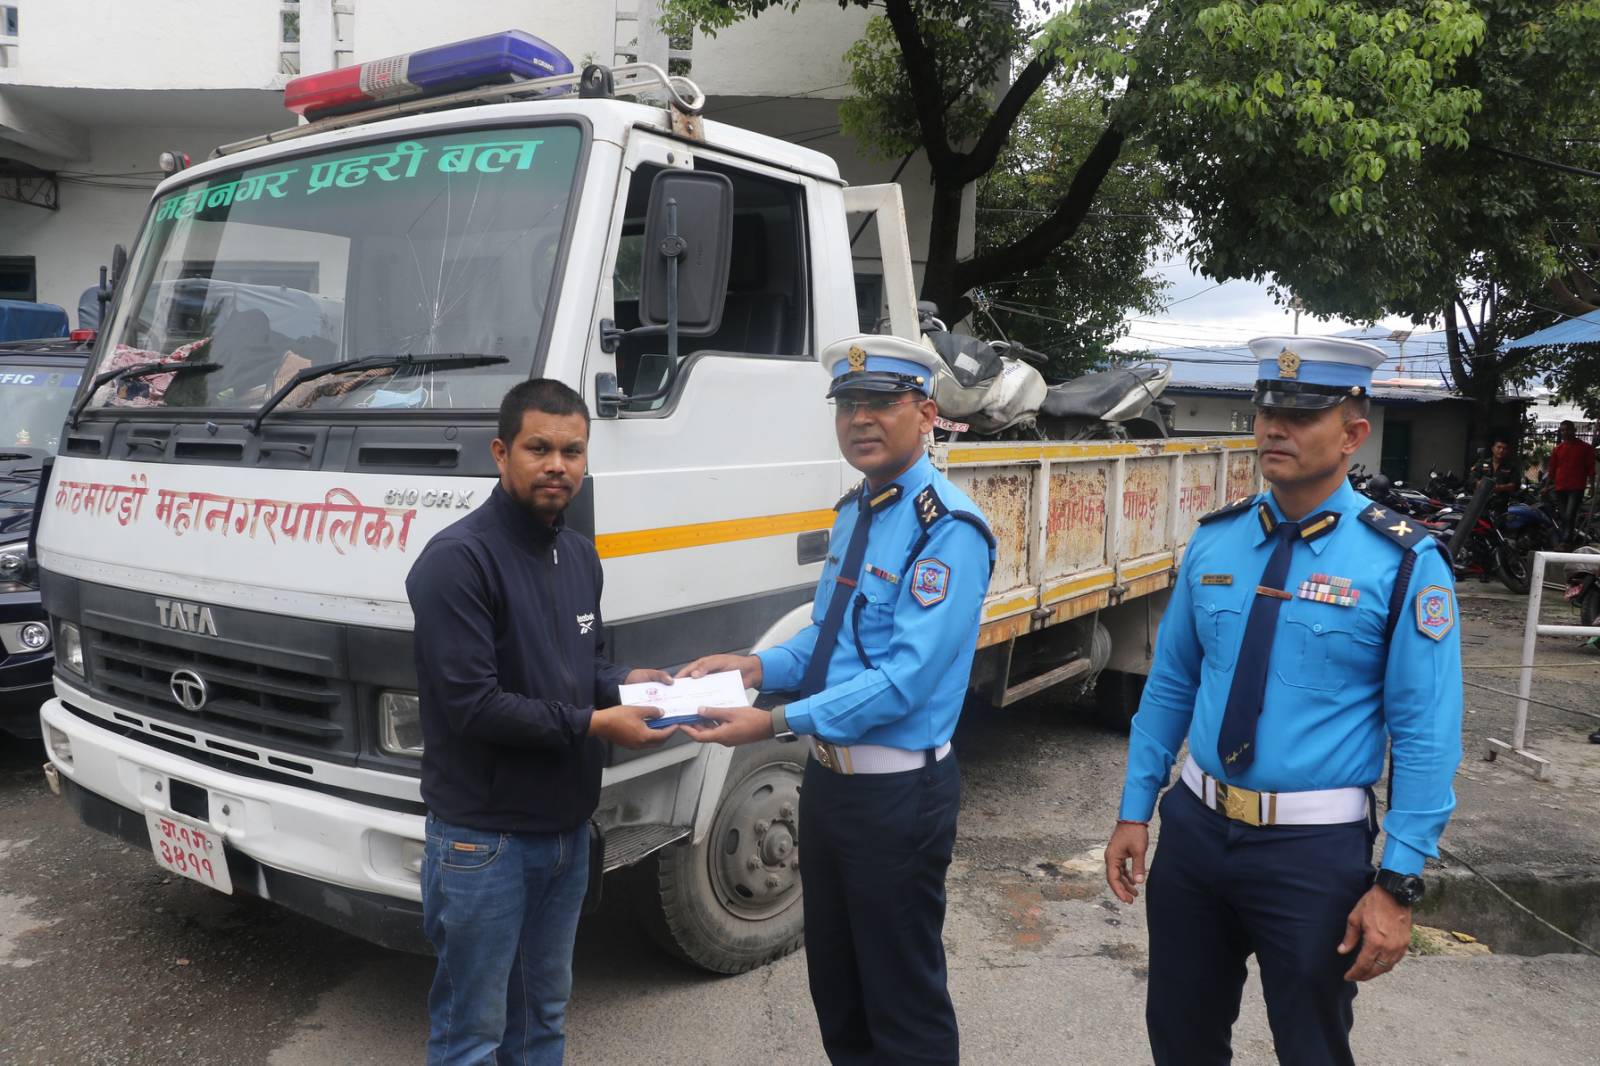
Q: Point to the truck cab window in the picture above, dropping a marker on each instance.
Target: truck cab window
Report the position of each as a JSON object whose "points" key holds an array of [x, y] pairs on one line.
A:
{"points": [[765, 312]]}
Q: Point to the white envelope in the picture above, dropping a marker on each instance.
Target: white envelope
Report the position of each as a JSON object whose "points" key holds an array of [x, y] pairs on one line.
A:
{"points": [[684, 697]]}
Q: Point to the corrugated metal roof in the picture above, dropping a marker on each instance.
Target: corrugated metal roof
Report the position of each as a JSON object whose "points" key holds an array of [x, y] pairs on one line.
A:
{"points": [[1582, 330]]}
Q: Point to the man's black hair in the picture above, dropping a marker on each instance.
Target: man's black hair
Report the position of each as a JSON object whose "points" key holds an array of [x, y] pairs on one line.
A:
{"points": [[545, 395]]}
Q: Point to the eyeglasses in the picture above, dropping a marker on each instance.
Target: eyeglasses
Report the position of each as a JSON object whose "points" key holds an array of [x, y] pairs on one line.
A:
{"points": [[877, 405]]}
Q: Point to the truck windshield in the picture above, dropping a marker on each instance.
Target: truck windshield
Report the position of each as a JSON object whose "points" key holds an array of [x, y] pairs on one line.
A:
{"points": [[443, 243], [33, 406]]}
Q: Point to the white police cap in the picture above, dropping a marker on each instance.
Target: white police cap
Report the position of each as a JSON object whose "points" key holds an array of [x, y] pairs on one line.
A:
{"points": [[1312, 373], [874, 362]]}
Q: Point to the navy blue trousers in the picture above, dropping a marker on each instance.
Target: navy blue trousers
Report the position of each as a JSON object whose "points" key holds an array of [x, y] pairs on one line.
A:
{"points": [[1218, 892], [876, 848]]}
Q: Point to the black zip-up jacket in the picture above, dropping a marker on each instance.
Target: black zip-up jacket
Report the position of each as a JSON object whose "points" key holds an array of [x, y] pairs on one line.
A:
{"points": [[509, 670]]}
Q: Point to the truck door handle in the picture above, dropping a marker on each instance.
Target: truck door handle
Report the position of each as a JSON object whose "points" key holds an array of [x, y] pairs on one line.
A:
{"points": [[811, 547]]}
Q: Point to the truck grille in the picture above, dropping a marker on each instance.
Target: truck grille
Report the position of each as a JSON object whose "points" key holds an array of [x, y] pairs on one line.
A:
{"points": [[245, 696]]}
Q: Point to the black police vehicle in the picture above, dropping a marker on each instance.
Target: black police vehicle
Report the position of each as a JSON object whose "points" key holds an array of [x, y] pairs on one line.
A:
{"points": [[37, 382]]}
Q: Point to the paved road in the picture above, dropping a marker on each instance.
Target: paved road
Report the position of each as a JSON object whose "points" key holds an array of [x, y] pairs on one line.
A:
{"points": [[104, 959]]}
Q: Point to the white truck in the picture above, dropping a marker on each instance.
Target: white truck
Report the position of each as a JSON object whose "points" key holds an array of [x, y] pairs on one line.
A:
{"points": [[297, 387]]}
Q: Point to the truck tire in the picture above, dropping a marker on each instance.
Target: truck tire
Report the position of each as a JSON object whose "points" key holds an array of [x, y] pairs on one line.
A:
{"points": [[1116, 699], [732, 902]]}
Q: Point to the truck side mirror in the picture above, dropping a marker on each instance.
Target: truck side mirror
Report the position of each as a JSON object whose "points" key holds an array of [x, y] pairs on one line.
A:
{"points": [[691, 224], [119, 263]]}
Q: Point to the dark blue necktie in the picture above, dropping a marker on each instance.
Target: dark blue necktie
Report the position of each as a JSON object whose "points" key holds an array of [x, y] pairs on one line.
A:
{"points": [[844, 584], [1236, 741]]}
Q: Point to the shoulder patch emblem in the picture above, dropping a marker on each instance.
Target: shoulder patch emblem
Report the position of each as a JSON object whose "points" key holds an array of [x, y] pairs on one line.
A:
{"points": [[930, 581], [1436, 612]]}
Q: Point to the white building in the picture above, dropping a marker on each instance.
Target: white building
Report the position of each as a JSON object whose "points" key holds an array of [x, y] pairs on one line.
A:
{"points": [[92, 91]]}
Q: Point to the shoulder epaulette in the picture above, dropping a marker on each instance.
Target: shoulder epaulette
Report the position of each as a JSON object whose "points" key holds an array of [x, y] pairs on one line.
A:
{"points": [[1402, 529], [847, 497], [929, 507], [1235, 507]]}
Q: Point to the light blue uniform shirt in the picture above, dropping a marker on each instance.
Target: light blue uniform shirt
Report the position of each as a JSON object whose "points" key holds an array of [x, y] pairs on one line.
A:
{"points": [[918, 626], [1334, 693]]}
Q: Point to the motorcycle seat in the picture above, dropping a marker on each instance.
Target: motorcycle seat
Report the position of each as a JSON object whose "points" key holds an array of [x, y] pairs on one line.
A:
{"points": [[1092, 395]]}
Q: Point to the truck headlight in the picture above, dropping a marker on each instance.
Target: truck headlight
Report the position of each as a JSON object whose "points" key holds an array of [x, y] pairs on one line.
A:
{"points": [[14, 568], [400, 724], [69, 647]]}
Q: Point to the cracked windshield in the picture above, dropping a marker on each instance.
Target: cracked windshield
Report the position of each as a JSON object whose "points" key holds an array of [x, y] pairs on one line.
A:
{"points": [[431, 245]]}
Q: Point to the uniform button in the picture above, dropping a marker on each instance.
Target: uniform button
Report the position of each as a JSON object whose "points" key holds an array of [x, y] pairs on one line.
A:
{"points": [[1317, 628]]}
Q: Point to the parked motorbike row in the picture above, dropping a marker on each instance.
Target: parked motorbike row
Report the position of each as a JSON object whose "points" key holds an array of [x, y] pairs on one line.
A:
{"points": [[1503, 534]]}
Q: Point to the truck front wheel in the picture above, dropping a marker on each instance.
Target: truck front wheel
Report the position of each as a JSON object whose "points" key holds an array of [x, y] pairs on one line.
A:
{"points": [[732, 902]]}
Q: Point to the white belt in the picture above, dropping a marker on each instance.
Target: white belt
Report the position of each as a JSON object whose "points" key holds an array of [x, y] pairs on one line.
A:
{"points": [[1329, 806], [871, 758]]}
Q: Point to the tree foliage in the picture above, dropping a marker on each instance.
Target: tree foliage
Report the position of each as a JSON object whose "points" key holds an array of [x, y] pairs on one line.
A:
{"points": [[1369, 157]]}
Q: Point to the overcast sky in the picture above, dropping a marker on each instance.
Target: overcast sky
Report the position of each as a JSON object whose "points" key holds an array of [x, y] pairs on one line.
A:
{"points": [[1202, 313]]}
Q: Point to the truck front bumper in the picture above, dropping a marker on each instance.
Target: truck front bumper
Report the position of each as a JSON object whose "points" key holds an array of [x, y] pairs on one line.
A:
{"points": [[349, 865]]}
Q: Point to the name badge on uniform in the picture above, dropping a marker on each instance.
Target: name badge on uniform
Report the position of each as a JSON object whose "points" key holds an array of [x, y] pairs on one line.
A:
{"points": [[1216, 579], [1325, 588]]}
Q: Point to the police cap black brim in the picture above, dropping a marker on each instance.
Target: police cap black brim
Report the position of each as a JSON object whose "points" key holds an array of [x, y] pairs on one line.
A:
{"points": [[874, 381], [1303, 396]]}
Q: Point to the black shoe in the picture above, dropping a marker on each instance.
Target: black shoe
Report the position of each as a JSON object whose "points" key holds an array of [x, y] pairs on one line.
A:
{"points": [[1594, 738]]}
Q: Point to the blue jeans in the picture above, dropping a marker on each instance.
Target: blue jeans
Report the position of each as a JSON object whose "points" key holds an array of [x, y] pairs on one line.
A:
{"points": [[501, 910]]}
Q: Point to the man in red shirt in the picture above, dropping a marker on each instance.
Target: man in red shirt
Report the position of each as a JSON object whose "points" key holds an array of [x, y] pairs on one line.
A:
{"points": [[1571, 468]]}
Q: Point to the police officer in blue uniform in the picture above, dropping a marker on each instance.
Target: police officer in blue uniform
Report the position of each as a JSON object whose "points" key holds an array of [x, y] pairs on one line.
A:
{"points": [[878, 680], [1309, 631]]}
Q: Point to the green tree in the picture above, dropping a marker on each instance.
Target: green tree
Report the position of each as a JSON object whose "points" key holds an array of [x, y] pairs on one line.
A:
{"points": [[1352, 85]]}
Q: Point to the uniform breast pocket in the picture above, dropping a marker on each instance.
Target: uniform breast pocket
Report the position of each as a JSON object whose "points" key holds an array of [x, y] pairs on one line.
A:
{"points": [[872, 609], [1319, 646], [1219, 621]]}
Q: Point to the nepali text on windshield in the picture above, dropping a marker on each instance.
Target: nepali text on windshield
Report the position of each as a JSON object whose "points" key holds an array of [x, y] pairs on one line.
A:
{"points": [[430, 244]]}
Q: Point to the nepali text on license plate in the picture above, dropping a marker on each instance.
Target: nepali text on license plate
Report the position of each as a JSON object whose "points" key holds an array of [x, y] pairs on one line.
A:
{"points": [[185, 847]]}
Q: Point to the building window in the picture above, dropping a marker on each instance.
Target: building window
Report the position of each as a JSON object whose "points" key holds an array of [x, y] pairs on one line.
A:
{"points": [[18, 278], [289, 37], [1242, 420], [8, 35]]}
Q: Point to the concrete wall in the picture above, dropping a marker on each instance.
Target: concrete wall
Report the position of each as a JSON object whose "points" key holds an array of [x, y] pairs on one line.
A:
{"points": [[1438, 438], [150, 44], [1215, 414]]}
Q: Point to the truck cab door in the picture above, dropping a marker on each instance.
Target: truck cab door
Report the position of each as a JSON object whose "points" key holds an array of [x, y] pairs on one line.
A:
{"points": [[712, 503]]}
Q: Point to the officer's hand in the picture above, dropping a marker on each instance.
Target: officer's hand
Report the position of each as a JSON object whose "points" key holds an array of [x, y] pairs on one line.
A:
{"points": [[736, 725], [1128, 845], [625, 726], [749, 668], [1382, 926], [641, 675]]}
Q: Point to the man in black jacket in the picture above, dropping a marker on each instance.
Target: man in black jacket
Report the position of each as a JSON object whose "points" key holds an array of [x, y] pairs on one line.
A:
{"points": [[511, 674]]}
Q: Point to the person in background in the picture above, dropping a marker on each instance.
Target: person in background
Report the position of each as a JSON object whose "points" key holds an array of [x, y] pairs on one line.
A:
{"points": [[1571, 469]]}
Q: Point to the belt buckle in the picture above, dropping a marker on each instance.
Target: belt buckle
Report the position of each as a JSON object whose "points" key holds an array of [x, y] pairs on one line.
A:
{"points": [[1240, 804], [830, 758]]}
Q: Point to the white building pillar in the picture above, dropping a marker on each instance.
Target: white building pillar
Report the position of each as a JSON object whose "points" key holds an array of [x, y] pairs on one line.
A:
{"points": [[318, 36]]}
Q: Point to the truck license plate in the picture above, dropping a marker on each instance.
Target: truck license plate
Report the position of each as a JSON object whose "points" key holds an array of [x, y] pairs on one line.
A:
{"points": [[189, 849]]}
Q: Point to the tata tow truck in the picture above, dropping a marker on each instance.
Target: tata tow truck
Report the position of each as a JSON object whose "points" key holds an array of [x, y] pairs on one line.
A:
{"points": [[296, 388]]}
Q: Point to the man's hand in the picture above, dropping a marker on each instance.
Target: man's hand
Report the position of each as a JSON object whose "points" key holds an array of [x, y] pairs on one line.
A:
{"points": [[736, 725], [749, 668], [1129, 842], [625, 726], [1382, 926], [641, 675]]}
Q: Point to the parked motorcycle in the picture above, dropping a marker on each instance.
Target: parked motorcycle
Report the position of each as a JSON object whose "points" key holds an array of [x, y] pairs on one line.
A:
{"points": [[1583, 587], [995, 389]]}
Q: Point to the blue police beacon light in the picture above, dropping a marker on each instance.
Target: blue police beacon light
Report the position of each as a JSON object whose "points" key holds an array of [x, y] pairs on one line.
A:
{"points": [[496, 58]]}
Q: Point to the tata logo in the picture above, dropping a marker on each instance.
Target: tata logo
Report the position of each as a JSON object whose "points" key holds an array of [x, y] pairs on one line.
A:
{"points": [[186, 617], [189, 689]]}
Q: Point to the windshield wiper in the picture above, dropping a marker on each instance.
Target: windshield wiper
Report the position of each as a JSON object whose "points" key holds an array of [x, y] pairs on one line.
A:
{"points": [[137, 370], [447, 360]]}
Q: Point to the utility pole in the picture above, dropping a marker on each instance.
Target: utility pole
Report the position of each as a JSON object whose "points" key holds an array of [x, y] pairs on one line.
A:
{"points": [[1298, 306]]}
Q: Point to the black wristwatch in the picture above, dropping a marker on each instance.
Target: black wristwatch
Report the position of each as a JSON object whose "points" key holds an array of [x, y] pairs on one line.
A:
{"points": [[1407, 889]]}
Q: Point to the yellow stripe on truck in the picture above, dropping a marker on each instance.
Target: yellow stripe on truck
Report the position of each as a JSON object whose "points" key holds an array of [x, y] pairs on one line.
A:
{"points": [[700, 534]]}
